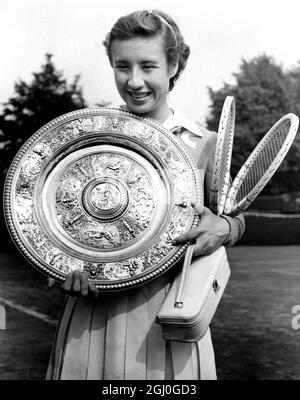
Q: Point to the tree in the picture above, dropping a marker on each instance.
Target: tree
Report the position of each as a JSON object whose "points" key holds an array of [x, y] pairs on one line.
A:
{"points": [[34, 104], [264, 92]]}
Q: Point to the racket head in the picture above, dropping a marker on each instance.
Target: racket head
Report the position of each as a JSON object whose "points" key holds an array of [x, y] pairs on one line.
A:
{"points": [[261, 165], [222, 160]]}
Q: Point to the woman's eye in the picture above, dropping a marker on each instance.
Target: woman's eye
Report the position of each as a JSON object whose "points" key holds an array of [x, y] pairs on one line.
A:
{"points": [[121, 67], [149, 67]]}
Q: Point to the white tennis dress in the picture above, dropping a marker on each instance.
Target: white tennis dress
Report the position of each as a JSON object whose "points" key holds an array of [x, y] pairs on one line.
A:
{"points": [[116, 336]]}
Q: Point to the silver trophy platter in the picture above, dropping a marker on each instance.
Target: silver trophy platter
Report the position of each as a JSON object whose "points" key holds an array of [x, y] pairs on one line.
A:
{"points": [[104, 192]]}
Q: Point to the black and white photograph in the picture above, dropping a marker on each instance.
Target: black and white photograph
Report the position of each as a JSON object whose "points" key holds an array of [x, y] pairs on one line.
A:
{"points": [[150, 179]]}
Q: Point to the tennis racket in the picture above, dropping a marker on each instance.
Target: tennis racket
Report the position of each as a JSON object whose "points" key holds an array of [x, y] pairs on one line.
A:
{"points": [[220, 181], [221, 171], [261, 165]]}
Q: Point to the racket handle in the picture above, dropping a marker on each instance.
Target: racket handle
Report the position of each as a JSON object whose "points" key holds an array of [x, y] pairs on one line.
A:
{"points": [[184, 273]]}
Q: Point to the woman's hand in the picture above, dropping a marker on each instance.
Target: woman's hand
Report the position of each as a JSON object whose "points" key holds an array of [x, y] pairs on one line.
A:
{"points": [[76, 284], [210, 234]]}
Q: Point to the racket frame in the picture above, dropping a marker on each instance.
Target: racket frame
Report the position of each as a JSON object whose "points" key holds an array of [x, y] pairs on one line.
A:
{"points": [[234, 208], [218, 191]]}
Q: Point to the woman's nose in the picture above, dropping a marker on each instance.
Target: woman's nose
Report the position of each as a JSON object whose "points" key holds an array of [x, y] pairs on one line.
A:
{"points": [[136, 80]]}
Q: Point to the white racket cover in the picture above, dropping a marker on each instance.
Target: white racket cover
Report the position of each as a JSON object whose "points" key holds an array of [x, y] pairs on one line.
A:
{"points": [[261, 165], [222, 161]]}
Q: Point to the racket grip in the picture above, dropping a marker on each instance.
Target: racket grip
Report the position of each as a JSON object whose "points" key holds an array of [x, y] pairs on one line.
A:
{"points": [[184, 273]]}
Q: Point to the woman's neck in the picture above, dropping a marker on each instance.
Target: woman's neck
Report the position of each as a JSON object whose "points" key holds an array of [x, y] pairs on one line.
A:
{"points": [[160, 114]]}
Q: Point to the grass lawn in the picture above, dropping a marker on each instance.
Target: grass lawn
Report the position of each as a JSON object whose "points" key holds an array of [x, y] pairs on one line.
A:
{"points": [[25, 345], [252, 332]]}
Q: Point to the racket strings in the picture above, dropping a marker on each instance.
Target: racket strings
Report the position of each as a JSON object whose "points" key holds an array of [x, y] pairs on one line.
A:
{"points": [[263, 159]]}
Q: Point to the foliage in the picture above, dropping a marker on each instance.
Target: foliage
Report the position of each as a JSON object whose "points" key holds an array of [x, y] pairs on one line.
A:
{"points": [[34, 104], [263, 92]]}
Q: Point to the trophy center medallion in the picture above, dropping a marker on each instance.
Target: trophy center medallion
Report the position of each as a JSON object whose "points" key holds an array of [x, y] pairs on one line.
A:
{"points": [[105, 198]]}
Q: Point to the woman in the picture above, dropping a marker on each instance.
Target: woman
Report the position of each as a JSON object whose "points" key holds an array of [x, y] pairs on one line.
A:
{"points": [[114, 336]]}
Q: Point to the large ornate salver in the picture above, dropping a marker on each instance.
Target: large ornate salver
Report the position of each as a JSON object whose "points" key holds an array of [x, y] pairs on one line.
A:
{"points": [[104, 192]]}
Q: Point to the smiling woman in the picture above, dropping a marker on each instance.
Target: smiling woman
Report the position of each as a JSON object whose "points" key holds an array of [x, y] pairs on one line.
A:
{"points": [[114, 335]]}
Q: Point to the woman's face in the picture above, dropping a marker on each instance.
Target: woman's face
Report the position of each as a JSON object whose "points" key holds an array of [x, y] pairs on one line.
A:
{"points": [[142, 75]]}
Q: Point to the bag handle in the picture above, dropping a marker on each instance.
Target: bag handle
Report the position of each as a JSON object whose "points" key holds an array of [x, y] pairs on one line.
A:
{"points": [[184, 273]]}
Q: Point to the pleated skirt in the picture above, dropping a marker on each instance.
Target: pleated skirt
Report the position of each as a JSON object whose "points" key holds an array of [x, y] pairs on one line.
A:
{"points": [[115, 337]]}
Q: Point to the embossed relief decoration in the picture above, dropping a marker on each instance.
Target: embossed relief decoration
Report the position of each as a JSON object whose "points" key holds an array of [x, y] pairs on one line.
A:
{"points": [[103, 192]]}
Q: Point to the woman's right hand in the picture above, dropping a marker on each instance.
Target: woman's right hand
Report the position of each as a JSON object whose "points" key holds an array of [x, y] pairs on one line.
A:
{"points": [[76, 284]]}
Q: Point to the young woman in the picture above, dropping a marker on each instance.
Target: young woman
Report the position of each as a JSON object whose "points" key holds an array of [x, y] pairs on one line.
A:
{"points": [[114, 336]]}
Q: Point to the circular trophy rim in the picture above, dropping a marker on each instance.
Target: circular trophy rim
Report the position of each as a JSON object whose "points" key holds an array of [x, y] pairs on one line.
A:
{"points": [[24, 248]]}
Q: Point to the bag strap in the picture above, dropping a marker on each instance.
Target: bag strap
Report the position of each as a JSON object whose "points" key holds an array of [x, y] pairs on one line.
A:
{"points": [[184, 273]]}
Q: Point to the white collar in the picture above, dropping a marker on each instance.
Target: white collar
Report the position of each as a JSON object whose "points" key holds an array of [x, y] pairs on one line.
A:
{"points": [[177, 119]]}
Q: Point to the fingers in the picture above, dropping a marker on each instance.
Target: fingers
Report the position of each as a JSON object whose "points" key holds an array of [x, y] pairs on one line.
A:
{"points": [[67, 285], [194, 233], [93, 290], [84, 285], [198, 207], [186, 237], [51, 283], [208, 235], [77, 283], [201, 248]]}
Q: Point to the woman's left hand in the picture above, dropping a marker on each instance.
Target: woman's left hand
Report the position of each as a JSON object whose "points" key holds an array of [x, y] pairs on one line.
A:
{"points": [[210, 234], [76, 284]]}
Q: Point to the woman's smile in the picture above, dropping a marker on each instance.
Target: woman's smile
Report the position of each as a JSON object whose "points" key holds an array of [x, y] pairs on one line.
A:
{"points": [[138, 96]]}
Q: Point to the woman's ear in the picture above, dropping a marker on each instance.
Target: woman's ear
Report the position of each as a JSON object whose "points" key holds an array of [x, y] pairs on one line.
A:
{"points": [[173, 70]]}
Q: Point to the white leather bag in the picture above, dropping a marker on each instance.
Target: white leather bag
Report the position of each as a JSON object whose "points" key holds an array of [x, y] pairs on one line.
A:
{"points": [[204, 284]]}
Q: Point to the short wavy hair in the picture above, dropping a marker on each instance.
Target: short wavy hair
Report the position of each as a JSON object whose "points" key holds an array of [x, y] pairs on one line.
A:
{"points": [[151, 23]]}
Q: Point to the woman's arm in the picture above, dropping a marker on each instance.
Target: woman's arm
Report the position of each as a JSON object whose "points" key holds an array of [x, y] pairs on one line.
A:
{"points": [[236, 224], [213, 231], [236, 229]]}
